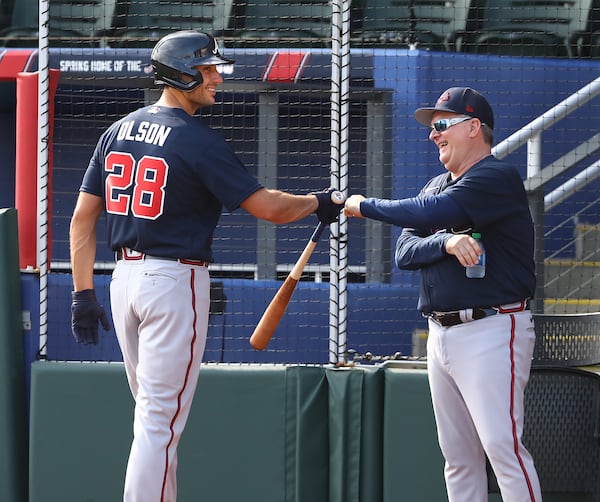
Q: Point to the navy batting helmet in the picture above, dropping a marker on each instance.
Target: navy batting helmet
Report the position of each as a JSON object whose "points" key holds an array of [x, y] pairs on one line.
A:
{"points": [[178, 53]]}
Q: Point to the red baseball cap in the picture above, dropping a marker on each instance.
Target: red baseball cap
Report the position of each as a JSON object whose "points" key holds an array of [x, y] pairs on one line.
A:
{"points": [[461, 100]]}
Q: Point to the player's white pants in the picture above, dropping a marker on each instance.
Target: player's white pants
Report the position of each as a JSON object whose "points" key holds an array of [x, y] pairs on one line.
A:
{"points": [[160, 312], [477, 375]]}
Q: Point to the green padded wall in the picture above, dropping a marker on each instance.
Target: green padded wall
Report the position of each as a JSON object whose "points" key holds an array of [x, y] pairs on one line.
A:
{"points": [[256, 433], [241, 442], [80, 432], [13, 403], [413, 464]]}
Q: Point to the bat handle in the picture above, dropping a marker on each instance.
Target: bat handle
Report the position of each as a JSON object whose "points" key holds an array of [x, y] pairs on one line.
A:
{"points": [[318, 232], [338, 198]]}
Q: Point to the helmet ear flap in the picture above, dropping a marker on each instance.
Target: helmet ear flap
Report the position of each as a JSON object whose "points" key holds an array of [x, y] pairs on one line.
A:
{"points": [[180, 53], [164, 75]]}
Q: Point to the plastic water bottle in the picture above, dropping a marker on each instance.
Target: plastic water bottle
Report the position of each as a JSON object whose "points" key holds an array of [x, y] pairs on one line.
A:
{"points": [[477, 271]]}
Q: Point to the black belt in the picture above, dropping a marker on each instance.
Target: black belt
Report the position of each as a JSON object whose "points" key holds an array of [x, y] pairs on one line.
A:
{"points": [[456, 317], [128, 254]]}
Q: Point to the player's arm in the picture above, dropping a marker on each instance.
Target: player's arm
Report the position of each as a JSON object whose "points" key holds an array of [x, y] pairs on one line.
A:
{"points": [[279, 207], [85, 309], [82, 239]]}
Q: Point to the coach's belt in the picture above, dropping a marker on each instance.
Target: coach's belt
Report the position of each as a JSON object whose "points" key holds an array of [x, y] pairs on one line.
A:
{"points": [[455, 317], [129, 254]]}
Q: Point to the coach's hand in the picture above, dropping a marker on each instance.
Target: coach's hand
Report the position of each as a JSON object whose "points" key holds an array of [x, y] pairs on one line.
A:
{"points": [[85, 314], [327, 211]]}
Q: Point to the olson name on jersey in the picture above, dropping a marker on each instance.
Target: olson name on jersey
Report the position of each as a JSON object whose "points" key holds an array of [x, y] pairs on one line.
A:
{"points": [[145, 132]]}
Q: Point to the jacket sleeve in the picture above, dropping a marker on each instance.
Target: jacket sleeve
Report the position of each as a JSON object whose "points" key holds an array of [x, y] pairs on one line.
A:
{"points": [[415, 248], [439, 211]]}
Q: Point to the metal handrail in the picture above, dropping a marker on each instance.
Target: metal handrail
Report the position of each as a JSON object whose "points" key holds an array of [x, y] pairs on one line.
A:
{"points": [[530, 133]]}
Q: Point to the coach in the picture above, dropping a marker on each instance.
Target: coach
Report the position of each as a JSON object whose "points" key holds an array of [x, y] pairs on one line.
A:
{"points": [[481, 334]]}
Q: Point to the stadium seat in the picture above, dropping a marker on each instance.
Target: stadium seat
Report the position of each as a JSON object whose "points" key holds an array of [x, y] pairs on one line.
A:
{"points": [[23, 29], [6, 7], [530, 28], [72, 23], [288, 23], [146, 21], [90, 18], [595, 45], [562, 431], [416, 23], [593, 38]]}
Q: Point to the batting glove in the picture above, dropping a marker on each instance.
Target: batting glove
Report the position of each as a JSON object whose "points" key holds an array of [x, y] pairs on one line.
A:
{"points": [[327, 211], [85, 314]]}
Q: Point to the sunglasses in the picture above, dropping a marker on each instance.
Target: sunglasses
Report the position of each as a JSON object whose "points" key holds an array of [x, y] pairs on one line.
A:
{"points": [[443, 124]]}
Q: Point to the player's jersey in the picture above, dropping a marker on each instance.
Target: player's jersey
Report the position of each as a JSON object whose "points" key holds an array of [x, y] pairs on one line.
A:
{"points": [[493, 198], [164, 177]]}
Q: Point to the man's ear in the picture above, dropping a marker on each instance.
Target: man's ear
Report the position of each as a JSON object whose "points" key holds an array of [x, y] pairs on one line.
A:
{"points": [[475, 127]]}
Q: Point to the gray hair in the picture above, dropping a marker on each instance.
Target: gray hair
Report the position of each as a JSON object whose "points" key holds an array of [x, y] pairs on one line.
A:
{"points": [[488, 134]]}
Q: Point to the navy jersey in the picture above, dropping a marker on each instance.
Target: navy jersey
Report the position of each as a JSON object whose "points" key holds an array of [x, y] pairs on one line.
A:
{"points": [[165, 177], [490, 199]]}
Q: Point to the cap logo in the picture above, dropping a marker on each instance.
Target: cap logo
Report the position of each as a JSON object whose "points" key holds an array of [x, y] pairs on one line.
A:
{"points": [[470, 109], [444, 97]]}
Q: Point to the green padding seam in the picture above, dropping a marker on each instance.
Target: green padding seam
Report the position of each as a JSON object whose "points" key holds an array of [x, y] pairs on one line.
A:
{"points": [[345, 430], [307, 435]]}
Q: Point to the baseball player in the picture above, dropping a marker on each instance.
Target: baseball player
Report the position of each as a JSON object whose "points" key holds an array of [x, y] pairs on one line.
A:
{"points": [[481, 334], [162, 177]]}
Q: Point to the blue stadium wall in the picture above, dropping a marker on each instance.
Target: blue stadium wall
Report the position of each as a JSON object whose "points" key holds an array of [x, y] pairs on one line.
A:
{"points": [[520, 89]]}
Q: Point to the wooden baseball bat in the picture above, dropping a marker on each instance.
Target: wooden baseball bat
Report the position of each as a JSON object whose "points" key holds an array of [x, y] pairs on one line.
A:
{"points": [[274, 312]]}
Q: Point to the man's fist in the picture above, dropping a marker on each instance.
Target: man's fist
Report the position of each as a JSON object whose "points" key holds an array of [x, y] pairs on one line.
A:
{"points": [[85, 314], [331, 202], [352, 206]]}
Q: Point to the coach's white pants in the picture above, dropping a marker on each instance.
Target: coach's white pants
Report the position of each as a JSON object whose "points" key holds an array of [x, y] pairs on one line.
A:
{"points": [[477, 376], [160, 312]]}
